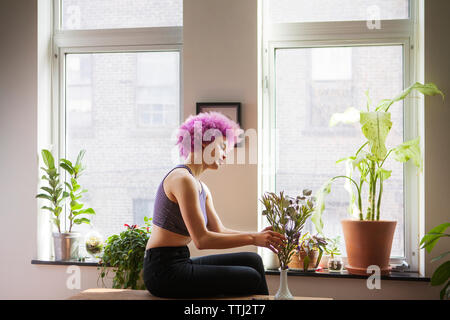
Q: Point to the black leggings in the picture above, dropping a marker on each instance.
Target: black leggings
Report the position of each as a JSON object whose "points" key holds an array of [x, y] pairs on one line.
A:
{"points": [[169, 272]]}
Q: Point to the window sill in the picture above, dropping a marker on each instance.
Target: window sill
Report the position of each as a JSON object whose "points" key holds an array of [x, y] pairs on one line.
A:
{"points": [[66, 263], [398, 276]]}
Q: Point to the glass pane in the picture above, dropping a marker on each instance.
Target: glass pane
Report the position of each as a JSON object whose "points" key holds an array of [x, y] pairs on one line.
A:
{"points": [[311, 85], [109, 14], [124, 161], [282, 11]]}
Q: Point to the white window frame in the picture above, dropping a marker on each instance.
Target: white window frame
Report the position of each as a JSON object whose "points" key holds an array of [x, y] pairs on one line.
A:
{"points": [[335, 33], [155, 39]]}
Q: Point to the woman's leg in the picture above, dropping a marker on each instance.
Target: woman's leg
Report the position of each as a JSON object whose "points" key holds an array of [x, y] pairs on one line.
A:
{"points": [[243, 259]]}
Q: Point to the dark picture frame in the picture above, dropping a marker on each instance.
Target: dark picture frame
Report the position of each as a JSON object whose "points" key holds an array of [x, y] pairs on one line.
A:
{"points": [[230, 109]]}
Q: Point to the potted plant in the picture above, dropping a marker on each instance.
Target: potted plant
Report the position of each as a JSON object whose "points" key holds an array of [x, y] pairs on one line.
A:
{"points": [[442, 274], [368, 239], [125, 254], [334, 263], [310, 250], [66, 242], [287, 215]]}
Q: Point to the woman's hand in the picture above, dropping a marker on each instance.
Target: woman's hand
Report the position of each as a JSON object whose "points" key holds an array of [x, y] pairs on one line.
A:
{"points": [[269, 239]]}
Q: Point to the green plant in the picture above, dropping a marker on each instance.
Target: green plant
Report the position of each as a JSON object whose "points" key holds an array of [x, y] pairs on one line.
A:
{"points": [[54, 192], [56, 195], [75, 192], [371, 156], [332, 247], [287, 216], [442, 273], [124, 253], [309, 243]]}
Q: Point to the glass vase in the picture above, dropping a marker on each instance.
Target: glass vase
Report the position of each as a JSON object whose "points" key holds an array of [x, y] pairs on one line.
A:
{"points": [[94, 244], [283, 292], [335, 264]]}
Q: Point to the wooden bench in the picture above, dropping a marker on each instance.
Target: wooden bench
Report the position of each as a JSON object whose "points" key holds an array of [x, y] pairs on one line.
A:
{"points": [[128, 294]]}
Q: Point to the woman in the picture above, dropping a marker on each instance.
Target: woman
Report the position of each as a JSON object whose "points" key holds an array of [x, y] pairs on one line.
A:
{"points": [[184, 212]]}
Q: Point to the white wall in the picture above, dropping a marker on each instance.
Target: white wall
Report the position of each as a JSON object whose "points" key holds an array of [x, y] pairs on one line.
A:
{"points": [[220, 63]]}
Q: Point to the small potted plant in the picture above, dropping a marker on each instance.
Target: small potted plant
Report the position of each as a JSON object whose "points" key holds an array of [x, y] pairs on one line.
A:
{"points": [[66, 242], [310, 250], [335, 263], [124, 253], [287, 216]]}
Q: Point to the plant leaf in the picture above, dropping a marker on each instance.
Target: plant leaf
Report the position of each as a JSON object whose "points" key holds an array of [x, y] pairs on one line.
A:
{"points": [[384, 174], [66, 167], [81, 220], [430, 239], [44, 196], [429, 89], [375, 127], [48, 159], [441, 274], [409, 150]]}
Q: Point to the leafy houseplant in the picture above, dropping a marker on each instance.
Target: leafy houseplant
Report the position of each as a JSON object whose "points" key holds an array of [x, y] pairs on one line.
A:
{"points": [[75, 192], [369, 160], [332, 249], [65, 243], [125, 254], [310, 249], [287, 216], [442, 274]]}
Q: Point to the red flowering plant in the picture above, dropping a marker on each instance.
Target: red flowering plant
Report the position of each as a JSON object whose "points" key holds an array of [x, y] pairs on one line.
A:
{"points": [[124, 253]]}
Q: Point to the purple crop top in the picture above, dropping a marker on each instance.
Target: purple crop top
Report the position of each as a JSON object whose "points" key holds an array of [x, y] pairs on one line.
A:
{"points": [[167, 214]]}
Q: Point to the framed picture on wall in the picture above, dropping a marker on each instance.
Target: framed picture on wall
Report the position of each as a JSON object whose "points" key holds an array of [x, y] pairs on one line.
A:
{"points": [[230, 109]]}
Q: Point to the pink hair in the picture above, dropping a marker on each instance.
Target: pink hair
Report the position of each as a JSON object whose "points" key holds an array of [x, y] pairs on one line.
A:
{"points": [[205, 121]]}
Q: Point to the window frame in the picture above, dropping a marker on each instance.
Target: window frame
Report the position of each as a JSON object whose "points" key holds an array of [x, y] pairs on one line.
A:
{"points": [[146, 39], [330, 34]]}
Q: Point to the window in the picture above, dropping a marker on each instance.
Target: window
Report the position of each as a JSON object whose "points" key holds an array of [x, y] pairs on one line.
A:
{"points": [[117, 95], [142, 208], [282, 11], [113, 14], [319, 58]]}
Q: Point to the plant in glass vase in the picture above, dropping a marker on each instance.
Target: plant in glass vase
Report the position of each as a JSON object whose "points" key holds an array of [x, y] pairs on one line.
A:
{"points": [[360, 233], [287, 216], [335, 263]]}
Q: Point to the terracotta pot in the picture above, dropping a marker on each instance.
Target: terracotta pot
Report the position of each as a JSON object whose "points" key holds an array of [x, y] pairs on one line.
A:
{"points": [[295, 261], [368, 243], [313, 255]]}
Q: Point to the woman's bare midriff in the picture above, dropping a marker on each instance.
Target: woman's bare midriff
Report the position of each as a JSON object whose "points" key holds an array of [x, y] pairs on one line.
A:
{"points": [[164, 238]]}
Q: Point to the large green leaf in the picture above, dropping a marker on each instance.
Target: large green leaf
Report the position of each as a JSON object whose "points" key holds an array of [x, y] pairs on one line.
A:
{"points": [[48, 159], [441, 275], [429, 240], [375, 127], [429, 89], [409, 150]]}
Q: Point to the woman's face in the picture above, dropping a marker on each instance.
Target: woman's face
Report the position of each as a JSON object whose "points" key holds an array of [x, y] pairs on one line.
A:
{"points": [[214, 153]]}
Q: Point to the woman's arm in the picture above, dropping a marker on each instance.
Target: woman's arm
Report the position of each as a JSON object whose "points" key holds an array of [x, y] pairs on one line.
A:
{"points": [[187, 197]]}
